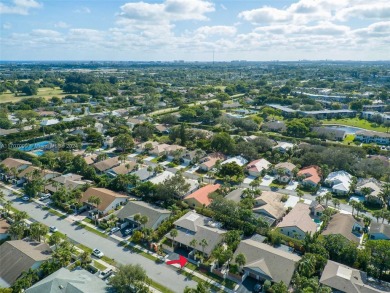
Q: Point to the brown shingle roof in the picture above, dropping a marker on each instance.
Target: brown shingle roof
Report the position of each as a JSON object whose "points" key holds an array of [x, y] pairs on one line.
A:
{"points": [[107, 164], [106, 196], [299, 217], [18, 256], [14, 163], [342, 224]]}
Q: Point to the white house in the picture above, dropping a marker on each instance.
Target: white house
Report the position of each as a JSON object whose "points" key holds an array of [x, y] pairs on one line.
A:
{"points": [[240, 161], [340, 181], [255, 168]]}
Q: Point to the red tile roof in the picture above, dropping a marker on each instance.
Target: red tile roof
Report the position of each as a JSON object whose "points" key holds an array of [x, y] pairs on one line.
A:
{"points": [[311, 173], [202, 194]]}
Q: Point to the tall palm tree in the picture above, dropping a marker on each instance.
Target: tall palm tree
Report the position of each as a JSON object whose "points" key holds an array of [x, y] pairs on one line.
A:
{"points": [[193, 243], [328, 196], [173, 234], [144, 220], [203, 243], [241, 259]]}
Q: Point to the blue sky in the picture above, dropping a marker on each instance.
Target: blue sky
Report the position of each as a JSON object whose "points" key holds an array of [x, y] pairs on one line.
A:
{"points": [[194, 29]]}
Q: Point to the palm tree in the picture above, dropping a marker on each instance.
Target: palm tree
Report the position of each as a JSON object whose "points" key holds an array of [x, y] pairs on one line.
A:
{"points": [[85, 258], [241, 259], [328, 196], [377, 215], [16, 230], [353, 204], [37, 230], [2, 196], [319, 199], [336, 202], [173, 234], [7, 207], [143, 220], [193, 243], [359, 207], [95, 201], [20, 215], [203, 243]]}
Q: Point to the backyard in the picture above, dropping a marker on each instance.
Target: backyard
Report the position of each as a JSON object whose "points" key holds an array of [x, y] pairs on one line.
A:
{"points": [[356, 122]]}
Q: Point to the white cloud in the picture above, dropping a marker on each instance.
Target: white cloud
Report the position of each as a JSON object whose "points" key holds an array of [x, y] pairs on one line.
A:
{"points": [[223, 6], [61, 24], [6, 26], [19, 7], [168, 11], [82, 10], [220, 30], [45, 33], [377, 10]]}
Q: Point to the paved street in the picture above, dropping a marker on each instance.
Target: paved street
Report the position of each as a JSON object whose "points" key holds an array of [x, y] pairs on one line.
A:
{"points": [[160, 273]]}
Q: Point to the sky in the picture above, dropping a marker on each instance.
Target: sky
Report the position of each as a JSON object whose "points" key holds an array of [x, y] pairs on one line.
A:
{"points": [[194, 30]]}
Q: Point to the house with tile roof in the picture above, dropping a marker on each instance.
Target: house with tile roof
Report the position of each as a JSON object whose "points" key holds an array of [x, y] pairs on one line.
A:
{"points": [[342, 278], [65, 281], [374, 187], [264, 262], [345, 225], [9, 165], [311, 176], [256, 167], [339, 181], [195, 226], [109, 199], [208, 163], [298, 222], [156, 215], [19, 256], [200, 198]]}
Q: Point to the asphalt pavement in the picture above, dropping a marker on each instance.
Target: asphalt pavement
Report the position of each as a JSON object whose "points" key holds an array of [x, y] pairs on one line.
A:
{"points": [[161, 273]]}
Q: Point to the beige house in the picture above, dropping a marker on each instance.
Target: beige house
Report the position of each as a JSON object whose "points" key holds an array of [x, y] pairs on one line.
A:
{"points": [[109, 199], [10, 166], [264, 262], [345, 225], [269, 204], [298, 222], [209, 162], [19, 256], [284, 171]]}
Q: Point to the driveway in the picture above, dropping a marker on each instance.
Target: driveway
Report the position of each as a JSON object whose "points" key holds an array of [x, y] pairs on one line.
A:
{"points": [[249, 179], [158, 272], [267, 180], [292, 185], [247, 285]]}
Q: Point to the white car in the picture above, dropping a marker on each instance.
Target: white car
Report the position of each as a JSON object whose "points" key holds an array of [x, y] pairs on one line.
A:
{"points": [[43, 197], [25, 198], [53, 229], [115, 229], [96, 252]]}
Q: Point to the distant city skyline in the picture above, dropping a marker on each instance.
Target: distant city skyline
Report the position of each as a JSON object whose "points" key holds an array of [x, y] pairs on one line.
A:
{"points": [[195, 30]]}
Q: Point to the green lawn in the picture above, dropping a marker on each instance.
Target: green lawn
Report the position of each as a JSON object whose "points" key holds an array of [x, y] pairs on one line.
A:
{"points": [[98, 265], [45, 92], [158, 286], [349, 138], [356, 122]]}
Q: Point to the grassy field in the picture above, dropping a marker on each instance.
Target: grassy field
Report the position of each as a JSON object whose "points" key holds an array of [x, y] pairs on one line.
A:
{"points": [[356, 122], [348, 138], [45, 92]]}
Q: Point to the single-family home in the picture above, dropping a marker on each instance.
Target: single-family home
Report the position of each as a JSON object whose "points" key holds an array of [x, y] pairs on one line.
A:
{"points": [[298, 222], [269, 204], [4, 226], [131, 122], [345, 225], [161, 129], [159, 149], [342, 278], [240, 161], [156, 215], [276, 126], [175, 152], [108, 199], [69, 181], [283, 146], [143, 174], [339, 181], [200, 198], [10, 167], [90, 159], [264, 262], [77, 281], [195, 226], [284, 171], [235, 195], [122, 169], [316, 209], [192, 157], [26, 174], [255, 168], [209, 162], [48, 122], [379, 231], [370, 189], [146, 146], [160, 178], [18, 256], [107, 164], [311, 176]]}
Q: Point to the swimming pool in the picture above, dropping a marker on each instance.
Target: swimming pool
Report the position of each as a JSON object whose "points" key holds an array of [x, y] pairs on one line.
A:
{"points": [[34, 146], [38, 152]]}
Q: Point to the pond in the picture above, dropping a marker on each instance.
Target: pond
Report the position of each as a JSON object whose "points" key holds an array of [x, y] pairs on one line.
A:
{"points": [[347, 129]]}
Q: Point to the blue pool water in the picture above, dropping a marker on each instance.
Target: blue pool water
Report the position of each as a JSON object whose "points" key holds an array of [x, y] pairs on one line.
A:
{"points": [[38, 153], [347, 129], [317, 221], [34, 146]]}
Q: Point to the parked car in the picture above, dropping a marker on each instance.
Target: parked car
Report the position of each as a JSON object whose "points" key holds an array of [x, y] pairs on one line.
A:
{"points": [[53, 229], [25, 198], [96, 252], [106, 273], [46, 196], [128, 231], [115, 229]]}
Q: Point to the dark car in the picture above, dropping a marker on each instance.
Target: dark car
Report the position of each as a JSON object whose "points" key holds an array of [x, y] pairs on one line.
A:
{"points": [[257, 288]]}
